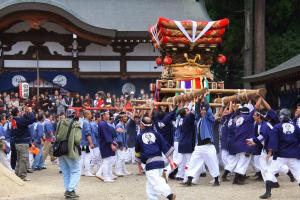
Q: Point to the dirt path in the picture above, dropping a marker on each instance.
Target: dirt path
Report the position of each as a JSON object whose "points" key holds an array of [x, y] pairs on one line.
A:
{"points": [[48, 184]]}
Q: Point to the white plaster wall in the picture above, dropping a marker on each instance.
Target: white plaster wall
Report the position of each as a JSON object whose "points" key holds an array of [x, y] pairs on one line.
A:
{"points": [[42, 63], [142, 66], [98, 50], [99, 66], [55, 46], [19, 46], [55, 28], [22, 26]]}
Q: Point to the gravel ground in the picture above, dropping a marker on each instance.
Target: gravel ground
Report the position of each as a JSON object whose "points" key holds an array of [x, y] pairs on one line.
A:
{"points": [[48, 184]]}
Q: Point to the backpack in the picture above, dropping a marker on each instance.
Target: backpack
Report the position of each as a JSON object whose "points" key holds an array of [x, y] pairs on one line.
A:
{"points": [[60, 148]]}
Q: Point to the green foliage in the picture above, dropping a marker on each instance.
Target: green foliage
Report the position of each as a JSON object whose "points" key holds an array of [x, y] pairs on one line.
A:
{"points": [[282, 35], [282, 31], [281, 47], [233, 39]]}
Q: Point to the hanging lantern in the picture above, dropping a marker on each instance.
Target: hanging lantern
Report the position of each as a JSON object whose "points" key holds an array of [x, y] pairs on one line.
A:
{"points": [[24, 90], [221, 59], [168, 60], [158, 61]]}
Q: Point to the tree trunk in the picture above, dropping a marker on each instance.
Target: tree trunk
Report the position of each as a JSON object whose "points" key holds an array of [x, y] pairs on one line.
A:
{"points": [[259, 36], [248, 46]]}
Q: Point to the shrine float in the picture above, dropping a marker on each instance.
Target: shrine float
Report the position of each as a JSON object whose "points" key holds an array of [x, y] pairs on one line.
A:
{"points": [[187, 51]]}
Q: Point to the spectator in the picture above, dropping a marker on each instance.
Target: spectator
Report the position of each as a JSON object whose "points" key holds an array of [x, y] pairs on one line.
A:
{"points": [[49, 129], [70, 163], [15, 102], [60, 107], [77, 101], [122, 145], [33, 104], [44, 103], [38, 143], [4, 147], [67, 100], [22, 138]]}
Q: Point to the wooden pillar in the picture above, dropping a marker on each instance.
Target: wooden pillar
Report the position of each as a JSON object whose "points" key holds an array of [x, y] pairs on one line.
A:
{"points": [[75, 66], [259, 36], [123, 64], [123, 48], [1, 58]]}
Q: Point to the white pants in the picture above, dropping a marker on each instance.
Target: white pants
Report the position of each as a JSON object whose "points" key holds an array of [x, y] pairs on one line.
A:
{"points": [[156, 186], [276, 166], [224, 156], [255, 163], [4, 161], [238, 163], [176, 155], [196, 178], [183, 161], [265, 165], [31, 159], [96, 158], [106, 168], [86, 163], [204, 154], [131, 155], [120, 167]]}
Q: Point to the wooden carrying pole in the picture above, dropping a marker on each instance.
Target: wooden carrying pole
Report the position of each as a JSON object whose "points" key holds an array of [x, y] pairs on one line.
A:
{"points": [[202, 91], [244, 96], [166, 104]]}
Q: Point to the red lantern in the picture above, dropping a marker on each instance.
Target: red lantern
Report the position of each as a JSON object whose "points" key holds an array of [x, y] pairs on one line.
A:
{"points": [[158, 61], [221, 59], [168, 60]]}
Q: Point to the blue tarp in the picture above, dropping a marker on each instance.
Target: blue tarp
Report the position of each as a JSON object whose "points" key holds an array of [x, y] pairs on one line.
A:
{"points": [[66, 80]]}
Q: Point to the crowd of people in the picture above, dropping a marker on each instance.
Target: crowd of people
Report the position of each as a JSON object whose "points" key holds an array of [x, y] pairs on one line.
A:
{"points": [[57, 103], [169, 142]]}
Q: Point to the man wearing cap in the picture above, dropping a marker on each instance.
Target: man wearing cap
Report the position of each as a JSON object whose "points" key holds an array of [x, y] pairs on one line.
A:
{"points": [[70, 163], [86, 144], [148, 150], [107, 148], [205, 151], [120, 169], [284, 146], [22, 137]]}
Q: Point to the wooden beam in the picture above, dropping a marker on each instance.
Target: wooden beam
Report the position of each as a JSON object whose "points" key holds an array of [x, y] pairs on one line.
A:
{"points": [[85, 58], [141, 58], [147, 75]]}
